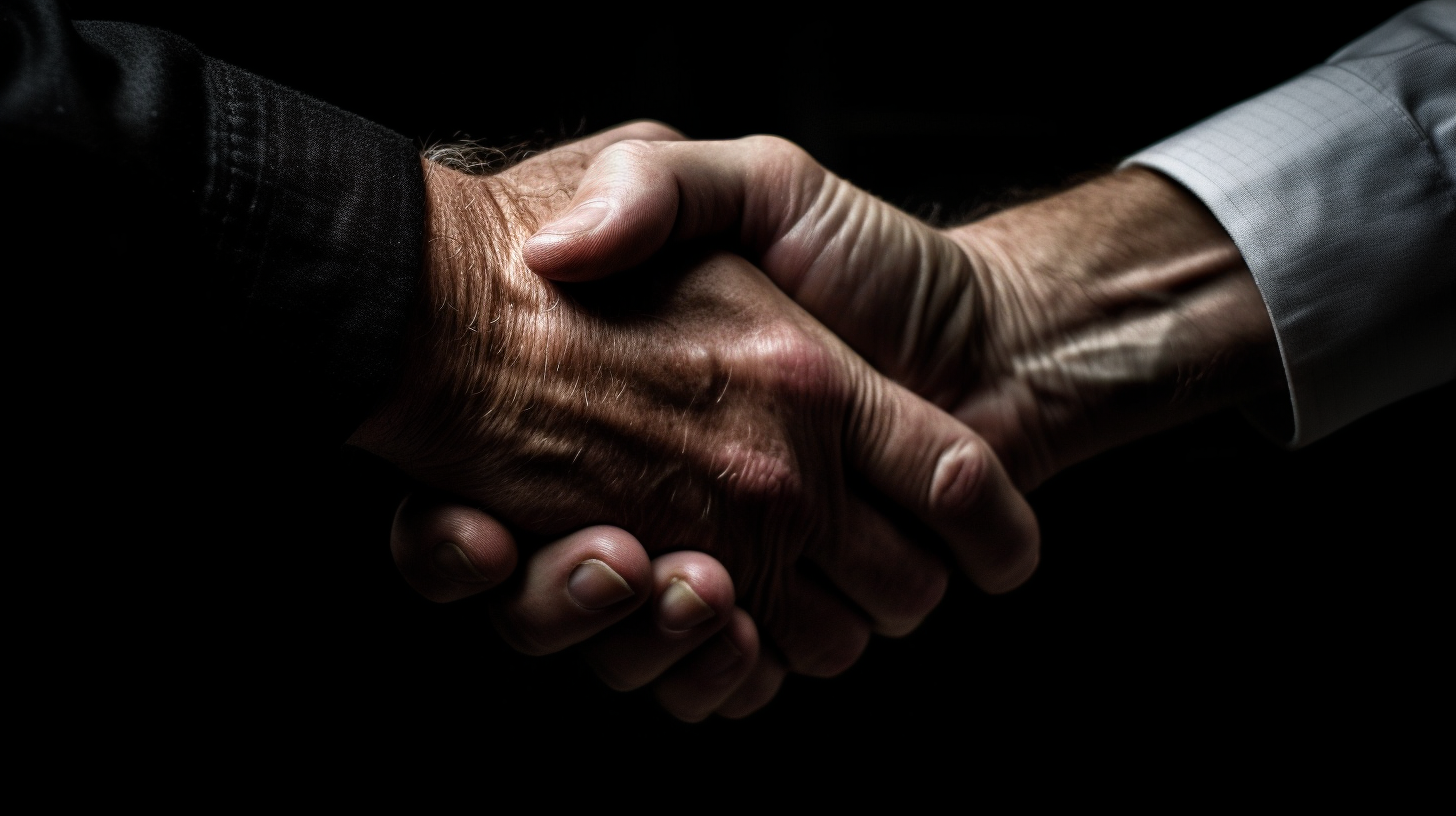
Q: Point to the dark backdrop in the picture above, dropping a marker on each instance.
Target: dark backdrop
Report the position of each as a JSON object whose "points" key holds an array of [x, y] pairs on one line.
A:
{"points": [[1201, 588]]}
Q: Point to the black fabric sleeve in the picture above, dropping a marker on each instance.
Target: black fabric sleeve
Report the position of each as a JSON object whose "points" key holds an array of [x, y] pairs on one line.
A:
{"points": [[261, 243]]}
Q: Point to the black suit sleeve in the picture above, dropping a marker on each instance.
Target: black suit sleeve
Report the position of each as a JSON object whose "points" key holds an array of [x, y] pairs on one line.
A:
{"points": [[208, 227]]}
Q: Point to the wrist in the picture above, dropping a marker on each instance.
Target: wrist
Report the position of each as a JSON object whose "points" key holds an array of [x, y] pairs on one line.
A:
{"points": [[1116, 309], [469, 233]]}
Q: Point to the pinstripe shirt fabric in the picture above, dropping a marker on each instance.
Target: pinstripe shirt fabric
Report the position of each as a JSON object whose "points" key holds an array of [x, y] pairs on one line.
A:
{"points": [[1339, 188]]}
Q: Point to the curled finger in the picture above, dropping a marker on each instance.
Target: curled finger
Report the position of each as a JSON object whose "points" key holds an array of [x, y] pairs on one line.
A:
{"points": [[702, 681], [447, 550], [572, 589], [760, 687], [692, 600]]}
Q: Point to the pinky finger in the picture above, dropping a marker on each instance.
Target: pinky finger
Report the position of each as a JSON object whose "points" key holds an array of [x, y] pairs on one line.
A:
{"points": [[701, 682], [447, 550]]}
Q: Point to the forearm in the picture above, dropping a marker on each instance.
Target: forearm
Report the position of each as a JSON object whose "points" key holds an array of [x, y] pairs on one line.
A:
{"points": [[1296, 259], [1114, 309], [1339, 188]]}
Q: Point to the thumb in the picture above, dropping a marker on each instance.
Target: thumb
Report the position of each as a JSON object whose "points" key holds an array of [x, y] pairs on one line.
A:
{"points": [[637, 195], [937, 468], [623, 211]]}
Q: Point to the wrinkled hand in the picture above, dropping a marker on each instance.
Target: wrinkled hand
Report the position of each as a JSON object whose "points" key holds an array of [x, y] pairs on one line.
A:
{"points": [[696, 408], [1057, 329], [668, 620]]}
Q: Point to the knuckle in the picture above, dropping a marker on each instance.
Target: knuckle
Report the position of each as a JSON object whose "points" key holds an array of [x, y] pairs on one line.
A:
{"points": [[960, 477], [703, 373], [757, 476], [788, 164], [778, 149], [635, 163], [652, 130], [628, 149], [798, 365]]}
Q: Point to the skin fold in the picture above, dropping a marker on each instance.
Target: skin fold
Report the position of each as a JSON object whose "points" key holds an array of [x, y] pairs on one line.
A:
{"points": [[1056, 329]]}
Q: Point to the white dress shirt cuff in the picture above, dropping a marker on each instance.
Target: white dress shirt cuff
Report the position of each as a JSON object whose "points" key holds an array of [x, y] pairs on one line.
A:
{"points": [[1337, 188]]}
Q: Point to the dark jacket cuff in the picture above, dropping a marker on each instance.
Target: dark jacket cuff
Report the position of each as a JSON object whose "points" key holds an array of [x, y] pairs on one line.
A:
{"points": [[318, 216]]}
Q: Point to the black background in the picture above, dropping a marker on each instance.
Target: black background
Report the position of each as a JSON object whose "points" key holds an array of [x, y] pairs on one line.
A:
{"points": [[1203, 593]]}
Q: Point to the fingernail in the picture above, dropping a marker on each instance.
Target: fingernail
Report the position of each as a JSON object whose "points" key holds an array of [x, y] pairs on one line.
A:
{"points": [[719, 657], [594, 585], [452, 562], [680, 608], [583, 218]]}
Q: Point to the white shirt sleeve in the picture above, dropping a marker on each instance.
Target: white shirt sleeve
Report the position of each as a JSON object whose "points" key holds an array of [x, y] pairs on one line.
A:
{"points": [[1339, 188]]}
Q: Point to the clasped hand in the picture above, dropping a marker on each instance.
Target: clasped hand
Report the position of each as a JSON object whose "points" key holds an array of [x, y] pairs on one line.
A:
{"points": [[689, 402], [697, 407]]}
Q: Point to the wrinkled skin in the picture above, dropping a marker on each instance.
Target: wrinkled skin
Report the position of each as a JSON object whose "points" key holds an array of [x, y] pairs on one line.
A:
{"points": [[1056, 330], [698, 408]]}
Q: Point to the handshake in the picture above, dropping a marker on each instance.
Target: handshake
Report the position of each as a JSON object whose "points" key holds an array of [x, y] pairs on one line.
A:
{"points": [[734, 415]]}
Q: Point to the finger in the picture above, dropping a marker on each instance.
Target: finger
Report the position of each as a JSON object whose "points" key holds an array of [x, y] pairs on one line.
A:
{"points": [[636, 195], [935, 467], [446, 550], [572, 589], [705, 679], [848, 258], [817, 633], [894, 581], [755, 692], [693, 600]]}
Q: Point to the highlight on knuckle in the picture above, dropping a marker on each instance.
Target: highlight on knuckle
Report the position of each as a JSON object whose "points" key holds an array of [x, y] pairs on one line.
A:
{"points": [[959, 478], [778, 150], [798, 365], [761, 476], [626, 153], [788, 166], [652, 130]]}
